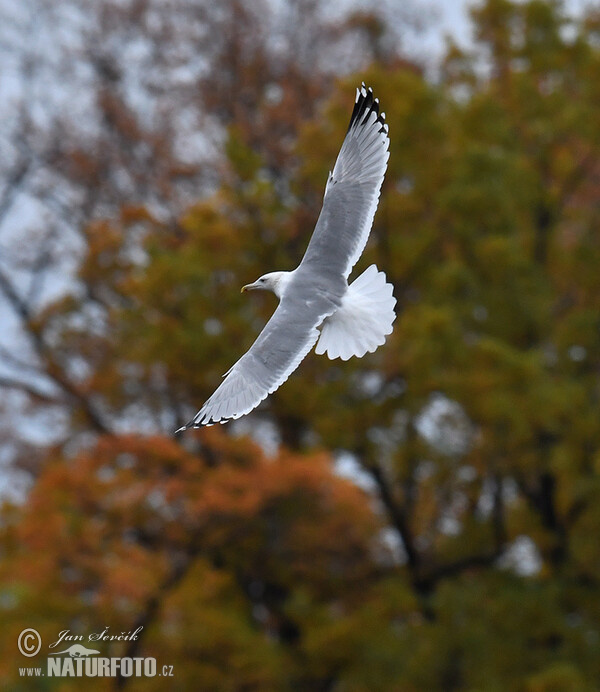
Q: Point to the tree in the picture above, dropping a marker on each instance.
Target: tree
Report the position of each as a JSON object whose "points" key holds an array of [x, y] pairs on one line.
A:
{"points": [[470, 562], [216, 547]]}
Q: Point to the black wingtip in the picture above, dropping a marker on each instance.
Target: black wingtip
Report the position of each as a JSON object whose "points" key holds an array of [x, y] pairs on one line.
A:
{"points": [[192, 425], [188, 426], [364, 105]]}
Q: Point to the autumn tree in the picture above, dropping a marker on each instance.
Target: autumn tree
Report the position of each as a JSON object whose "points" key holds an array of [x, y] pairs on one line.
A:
{"points": [[468, 560]]}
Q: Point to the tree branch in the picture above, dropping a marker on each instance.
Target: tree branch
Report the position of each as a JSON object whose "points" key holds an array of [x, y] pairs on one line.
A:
{"points": [[397, 516], [148, 614], [9, 383], [12, 186], [484, 559], [52, 369]]}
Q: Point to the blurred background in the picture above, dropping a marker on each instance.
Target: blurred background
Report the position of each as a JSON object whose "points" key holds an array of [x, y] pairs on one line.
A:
{"points": [[424, 518]]}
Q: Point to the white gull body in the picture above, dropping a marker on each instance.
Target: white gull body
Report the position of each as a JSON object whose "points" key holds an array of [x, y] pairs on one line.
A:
{"points": [[316, 303]]}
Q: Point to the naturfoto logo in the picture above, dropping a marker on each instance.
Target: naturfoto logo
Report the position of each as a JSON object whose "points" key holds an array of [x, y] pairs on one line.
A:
{"points": [[74, 659], [77, 651]]}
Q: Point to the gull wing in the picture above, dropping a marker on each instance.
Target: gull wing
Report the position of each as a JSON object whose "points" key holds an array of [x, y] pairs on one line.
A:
{"points": [[279, 349], [351, 193]]}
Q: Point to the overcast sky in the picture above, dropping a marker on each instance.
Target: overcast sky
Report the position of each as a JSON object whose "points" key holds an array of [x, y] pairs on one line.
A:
{"points": [[454, 18]]}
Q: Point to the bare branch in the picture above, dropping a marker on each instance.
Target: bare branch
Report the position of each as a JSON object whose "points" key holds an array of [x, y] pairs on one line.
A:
{"points": [[39, 268], [18, 362], [28, 388], [13, 185], [12, 296], [52, 369]]}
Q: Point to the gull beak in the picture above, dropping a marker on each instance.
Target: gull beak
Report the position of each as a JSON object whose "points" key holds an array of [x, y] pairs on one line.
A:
{"points": [[249, 287]]}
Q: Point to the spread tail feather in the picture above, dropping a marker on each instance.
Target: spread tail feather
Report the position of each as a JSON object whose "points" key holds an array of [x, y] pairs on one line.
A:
{"points": [[362, 321]]}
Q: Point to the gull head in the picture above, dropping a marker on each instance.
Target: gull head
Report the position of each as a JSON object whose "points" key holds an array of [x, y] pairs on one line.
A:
{"points": [[273, 281]]}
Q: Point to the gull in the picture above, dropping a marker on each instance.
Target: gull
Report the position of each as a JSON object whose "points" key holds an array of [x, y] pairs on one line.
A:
{"points": [[316, 303]]}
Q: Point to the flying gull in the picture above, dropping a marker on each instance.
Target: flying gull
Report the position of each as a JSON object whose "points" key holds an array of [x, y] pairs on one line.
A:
{"points": [[316, 304]]}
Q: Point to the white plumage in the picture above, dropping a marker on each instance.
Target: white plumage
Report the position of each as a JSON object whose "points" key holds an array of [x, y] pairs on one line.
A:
{"points": [[362, 321], [353, 319]]}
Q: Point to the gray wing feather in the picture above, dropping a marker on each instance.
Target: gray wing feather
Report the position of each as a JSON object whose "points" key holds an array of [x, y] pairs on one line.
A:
{"points": [[279, 349], [319, 282], [352, 192]]}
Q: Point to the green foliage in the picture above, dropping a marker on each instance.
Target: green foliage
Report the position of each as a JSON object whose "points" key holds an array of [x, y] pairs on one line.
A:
{"points": [[488, 227]]}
